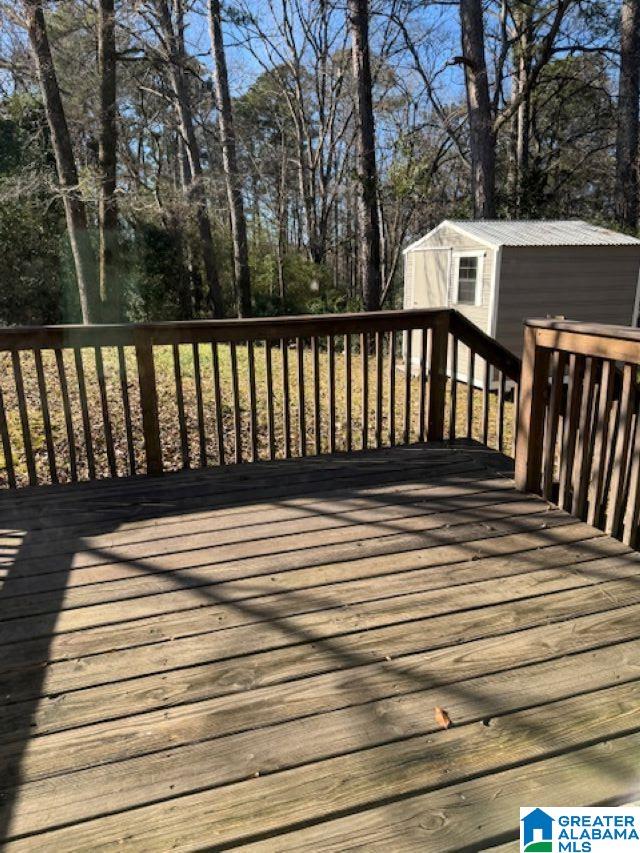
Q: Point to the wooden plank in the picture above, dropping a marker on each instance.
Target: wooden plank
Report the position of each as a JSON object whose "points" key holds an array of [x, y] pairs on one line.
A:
{"points": [[68, 420], [6, 444], [310, 740], [253, 413], [491, 805], [126, 410], [486, 401], [596, 480], [331, 392], [503, 689], [616, 505], [46, 418], [24, 419], [348, 412], [286, 413], [392, 388], [182, 421], [217, 398], [197, 377], [364, 378], [632, 514], [148, 405], [453, 395], [235, 402], [570, 429], [272, 803], [558, 364]]}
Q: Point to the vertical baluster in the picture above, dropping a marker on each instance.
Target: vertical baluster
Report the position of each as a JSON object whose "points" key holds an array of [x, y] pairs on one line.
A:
{"points": [[253, 414], [148, 402], [84, 409], [217, 401], [616, 492], [126, 407], [6, 444], [302, 423], [271, 434], [347, 393], [68, 420], [182, 422], [378, 414], [46, 418], [406, 432], [106, 418], [422, 429], [235, 398], [471, 369], [558, 362], [500, 413], [453, 402], [364, 362], [331, 377], [286, 415], [632, 514], [392, 389], [197, 376], [486, 401], [24, 417], [515, 417], [574, 394], [583, 456], [317, 421]]}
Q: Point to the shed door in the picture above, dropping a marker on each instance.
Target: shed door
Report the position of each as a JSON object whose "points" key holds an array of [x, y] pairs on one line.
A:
{"points": [[431, 279]]}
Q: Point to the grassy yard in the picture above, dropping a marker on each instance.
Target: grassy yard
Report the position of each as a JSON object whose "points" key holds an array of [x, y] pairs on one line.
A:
{"points": [[168, 408]]}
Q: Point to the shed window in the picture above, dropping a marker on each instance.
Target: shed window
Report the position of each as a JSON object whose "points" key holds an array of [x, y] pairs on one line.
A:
{"points": [[468, 288]]}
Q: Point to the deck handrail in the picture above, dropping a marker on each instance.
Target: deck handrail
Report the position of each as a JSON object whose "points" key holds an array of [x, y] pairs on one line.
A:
{"points": [[299, 354], [578, 442]]}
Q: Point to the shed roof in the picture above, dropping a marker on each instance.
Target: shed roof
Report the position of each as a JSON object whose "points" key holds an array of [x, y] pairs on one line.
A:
{"points": [[544, 232]]}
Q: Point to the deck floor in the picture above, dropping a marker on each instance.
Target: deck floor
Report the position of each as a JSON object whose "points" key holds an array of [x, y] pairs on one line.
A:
{"points": [[252, 657]]}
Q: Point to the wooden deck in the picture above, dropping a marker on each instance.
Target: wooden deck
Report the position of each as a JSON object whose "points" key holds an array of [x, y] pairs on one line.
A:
{"points": [[251, 657]]}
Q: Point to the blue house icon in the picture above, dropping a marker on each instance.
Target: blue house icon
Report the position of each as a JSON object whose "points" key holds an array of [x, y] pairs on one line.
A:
{"points": [[537, 831]]}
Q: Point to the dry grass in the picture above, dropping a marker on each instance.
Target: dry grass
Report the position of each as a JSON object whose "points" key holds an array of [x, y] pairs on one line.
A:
{"points": [[169, 421]]}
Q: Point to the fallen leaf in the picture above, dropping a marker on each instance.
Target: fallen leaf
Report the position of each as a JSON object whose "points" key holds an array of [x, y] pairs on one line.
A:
{"points": [[442, 718]]}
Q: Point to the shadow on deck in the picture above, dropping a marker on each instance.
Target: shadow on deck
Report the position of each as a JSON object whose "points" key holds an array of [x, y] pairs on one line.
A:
{"points": [[251, 657]]}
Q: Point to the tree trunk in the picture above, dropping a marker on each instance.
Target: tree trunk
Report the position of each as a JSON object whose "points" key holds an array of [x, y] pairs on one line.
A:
{"points": [[230, 164], [196, 192], [110, 285], [74, 207], [367, 172], [626, 195], [482, 137]]}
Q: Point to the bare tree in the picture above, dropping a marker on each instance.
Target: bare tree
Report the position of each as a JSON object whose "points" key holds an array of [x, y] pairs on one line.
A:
{"points": [[74, 206], [371, 268], [230, 163], [173, 46], [626, 193], [481, 132], [110, 290]]}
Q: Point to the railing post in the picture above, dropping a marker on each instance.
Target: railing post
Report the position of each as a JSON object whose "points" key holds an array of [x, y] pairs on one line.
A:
{"points": [[438, 376], [149, 403], [533, 399]]}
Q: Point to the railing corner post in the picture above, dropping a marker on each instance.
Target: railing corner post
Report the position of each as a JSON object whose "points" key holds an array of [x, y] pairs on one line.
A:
{"points": [[438, 376], [531, 414], [149, 402]]}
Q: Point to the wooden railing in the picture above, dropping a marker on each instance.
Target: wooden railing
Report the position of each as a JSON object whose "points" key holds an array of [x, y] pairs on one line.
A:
{"points": [[579, 437], [81, 402]]}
